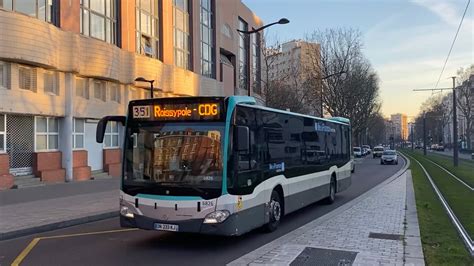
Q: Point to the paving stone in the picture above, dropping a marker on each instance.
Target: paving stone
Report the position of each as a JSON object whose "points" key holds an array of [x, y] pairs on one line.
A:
{"points": [[381, 212]]}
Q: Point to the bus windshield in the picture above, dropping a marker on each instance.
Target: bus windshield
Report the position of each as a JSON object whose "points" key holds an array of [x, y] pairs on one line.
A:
{"points": [[181, 159]]}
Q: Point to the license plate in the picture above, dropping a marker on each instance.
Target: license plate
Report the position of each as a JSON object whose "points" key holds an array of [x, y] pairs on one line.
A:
{"points": [[167, 227]]}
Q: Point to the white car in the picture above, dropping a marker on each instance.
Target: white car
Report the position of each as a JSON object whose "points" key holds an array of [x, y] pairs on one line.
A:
{"points": [[367, 147], [389, 157], [357, 152]]}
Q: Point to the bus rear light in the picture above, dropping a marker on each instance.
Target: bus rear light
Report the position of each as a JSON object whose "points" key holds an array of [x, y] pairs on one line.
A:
{"points": [[216, 217]]}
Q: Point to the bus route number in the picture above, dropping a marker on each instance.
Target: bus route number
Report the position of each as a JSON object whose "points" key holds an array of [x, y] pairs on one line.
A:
{"points": [[141, 112]]}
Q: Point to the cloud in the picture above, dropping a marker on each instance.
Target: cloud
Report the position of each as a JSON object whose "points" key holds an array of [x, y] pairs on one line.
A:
{"points": [[443, 9]]}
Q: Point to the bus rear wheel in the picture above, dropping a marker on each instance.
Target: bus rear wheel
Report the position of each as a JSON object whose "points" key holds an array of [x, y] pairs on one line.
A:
{"points": [[275, 212]]}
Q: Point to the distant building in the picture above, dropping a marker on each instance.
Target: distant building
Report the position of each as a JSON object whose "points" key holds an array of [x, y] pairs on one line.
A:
{"points": [[400, 126], [66, 63], [292, 64]]}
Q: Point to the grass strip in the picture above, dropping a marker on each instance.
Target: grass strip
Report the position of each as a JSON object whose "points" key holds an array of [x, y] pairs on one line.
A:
{"points": [[459, 197], [440, 240]]}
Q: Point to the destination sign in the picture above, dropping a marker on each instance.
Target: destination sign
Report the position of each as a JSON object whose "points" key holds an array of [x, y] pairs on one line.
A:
{"points": [[179, 111]]}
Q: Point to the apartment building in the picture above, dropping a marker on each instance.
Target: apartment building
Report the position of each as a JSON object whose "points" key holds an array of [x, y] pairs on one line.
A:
{"points": [[64, 64], [399, 126], [293, 64]]}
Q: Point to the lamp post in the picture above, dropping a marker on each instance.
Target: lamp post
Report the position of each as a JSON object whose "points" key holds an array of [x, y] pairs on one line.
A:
{"points": [[142, 79], [281, 21]]}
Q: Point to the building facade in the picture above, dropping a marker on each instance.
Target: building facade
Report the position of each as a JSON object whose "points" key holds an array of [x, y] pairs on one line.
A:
{"points": [[400, 127], [293, 64], [64, 64]]}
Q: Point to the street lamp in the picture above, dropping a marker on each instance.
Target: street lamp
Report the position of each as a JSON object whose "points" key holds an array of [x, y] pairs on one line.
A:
{"points": [[248, 32], [142, 79]]}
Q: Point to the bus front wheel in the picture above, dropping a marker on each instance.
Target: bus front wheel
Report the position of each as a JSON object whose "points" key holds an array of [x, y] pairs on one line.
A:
{"points": [[275, 212], [332, 191]]}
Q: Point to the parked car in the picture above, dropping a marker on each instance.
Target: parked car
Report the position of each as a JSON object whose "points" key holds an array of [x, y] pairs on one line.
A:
{"points": [[378, 150], [389, 157], [357, 152], [440, 148], [364, 152], [368, 149]]}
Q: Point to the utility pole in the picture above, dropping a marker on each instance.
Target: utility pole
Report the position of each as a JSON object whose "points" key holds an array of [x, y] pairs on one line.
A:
{"points": [[412, 136], [455, 126], [455, 123], [424, 134]]}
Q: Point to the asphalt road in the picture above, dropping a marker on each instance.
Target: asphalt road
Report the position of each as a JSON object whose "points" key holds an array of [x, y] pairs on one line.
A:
{"points": [[139, 247]]}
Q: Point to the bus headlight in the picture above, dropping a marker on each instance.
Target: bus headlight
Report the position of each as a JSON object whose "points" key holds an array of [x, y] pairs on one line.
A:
{"points": [[125, 211], [216, 217]]}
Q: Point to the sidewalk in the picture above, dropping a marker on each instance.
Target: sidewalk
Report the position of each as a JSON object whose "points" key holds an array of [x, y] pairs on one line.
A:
{"points": [[370, 230], [38, 209], [464, 156]]}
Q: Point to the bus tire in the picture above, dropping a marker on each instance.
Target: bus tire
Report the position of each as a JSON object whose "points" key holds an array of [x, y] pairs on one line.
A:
{"points": [[332, 191], [276, 212]]}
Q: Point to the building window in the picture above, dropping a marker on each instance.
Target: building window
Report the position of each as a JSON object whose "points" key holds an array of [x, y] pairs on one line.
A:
{"points": [[78, 133], [99, 90], [182, 39], [82, 88], [27, 78], [114, 91], [243, 56], [50, 79], [135, 93], [207, 39], [256, 63], [3, 133], [98, 19], [111, 137], [147, 28], [40, 9], [4, 75], [47, 133]]}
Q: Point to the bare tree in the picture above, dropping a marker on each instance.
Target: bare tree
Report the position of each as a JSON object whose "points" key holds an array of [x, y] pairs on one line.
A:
{"points": [[465, 100], [350, 86]]}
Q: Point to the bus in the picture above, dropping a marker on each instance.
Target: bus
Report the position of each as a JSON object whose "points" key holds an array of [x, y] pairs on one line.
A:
{"points": [[225, 165]]}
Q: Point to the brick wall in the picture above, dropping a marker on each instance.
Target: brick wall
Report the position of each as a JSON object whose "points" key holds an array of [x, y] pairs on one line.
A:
{"points": [[112, 162], [6, 180], [48, 166], [81, 171]]}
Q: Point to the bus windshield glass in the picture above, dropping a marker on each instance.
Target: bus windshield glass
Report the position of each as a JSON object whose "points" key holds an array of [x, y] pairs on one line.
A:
{"points": [[174, 158]]}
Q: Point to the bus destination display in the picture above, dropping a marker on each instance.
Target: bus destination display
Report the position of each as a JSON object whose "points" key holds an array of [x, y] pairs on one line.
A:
{"points": [[178, 112]]}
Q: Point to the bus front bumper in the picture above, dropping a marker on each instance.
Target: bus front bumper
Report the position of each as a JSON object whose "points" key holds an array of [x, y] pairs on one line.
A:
{"points": [[226, 228]]}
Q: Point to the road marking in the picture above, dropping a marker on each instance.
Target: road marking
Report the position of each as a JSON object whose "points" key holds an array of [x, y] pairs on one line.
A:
{"points": [[25, 252], [91, 233], [35, 241]]}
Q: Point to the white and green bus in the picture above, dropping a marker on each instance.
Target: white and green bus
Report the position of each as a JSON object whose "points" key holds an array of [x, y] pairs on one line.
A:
{"points": [[225, 165]]}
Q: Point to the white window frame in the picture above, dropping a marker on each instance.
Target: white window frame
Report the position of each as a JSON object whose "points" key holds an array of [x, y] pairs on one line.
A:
{"points": [[55, 82], [85, 91], [78, 134], [103, 92], [3, 134], [111, 134], [4, 83], [114, 92], [47, 134], [33, 78]]}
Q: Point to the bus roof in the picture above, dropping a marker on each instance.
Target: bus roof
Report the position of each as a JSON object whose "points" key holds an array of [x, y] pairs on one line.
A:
{"points": [[337, 121]]}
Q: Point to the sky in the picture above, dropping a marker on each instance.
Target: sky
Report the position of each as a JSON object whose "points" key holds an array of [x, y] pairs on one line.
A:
{"points": [[406, 41]]}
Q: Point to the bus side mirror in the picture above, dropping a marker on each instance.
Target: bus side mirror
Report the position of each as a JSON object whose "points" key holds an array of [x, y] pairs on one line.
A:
{"points": [[242, 136], [102, 126]]}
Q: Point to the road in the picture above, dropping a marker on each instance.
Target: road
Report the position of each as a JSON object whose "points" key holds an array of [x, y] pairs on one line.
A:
{"points": [[139, 247]]}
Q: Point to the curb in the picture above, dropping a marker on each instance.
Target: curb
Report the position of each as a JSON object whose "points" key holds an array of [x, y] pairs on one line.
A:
{"points": [[57, 225], [251, 256]]}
